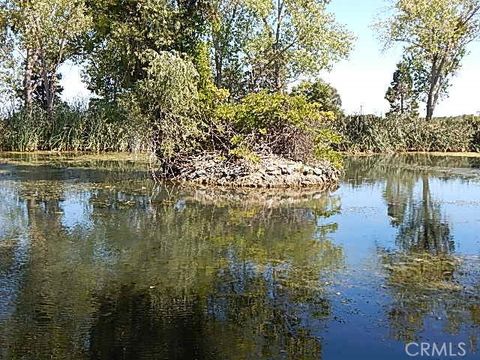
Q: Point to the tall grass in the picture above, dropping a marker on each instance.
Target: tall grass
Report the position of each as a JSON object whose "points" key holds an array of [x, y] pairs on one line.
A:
{"points": [[99, 128], [102, 127], [396, 134]]}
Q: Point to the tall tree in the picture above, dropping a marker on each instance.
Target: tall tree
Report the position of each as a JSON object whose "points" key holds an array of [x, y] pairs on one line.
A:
{"points": [[436, 34], [46, 34], [402, 93], [232, 26], [125, 30], [8, 61], [322, 93], [293, 38]]}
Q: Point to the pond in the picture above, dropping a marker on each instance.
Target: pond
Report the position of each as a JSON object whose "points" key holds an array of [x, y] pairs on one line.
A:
{"points": [[99, 262]]}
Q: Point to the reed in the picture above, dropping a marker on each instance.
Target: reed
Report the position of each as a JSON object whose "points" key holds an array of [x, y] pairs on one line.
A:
{"points": [[368, 133], [73, 128]]}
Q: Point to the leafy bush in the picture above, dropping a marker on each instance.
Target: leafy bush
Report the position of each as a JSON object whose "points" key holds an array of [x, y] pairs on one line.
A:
{"points": [[167, 101], [321, 93], [279, 124], [396, 133]]}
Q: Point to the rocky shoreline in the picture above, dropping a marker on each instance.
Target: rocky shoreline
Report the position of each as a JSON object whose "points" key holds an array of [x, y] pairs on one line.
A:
{"points": [[268, 172]]}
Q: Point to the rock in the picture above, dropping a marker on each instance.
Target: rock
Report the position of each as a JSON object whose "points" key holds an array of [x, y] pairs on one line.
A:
{"points": [[318, 171], [272, 171]]}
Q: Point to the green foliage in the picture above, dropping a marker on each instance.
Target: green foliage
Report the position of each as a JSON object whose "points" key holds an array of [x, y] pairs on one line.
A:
{"points": [[402, 94], [167, 100], [209, 95], [23, 132], [284, 125], [46, 34], [264, 45], [164, 70], [293, 38], [124, 30], [73, 128], [436, 34], [396, 133], [232, 27], [321, 93]]}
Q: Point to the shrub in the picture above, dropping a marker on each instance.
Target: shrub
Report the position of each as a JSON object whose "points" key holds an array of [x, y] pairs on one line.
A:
{"points": [[167, 101], [321, 93], [279, 124]]}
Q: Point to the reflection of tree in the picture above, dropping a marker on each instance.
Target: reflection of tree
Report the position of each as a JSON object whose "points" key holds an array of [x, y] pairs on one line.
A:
{"points": [[425, 279], [49, 312], [421, 225], [164, 278], [244, 275]]}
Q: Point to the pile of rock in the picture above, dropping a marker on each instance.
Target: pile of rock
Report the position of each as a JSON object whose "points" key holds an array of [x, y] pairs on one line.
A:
{"points": [[269, 171]]}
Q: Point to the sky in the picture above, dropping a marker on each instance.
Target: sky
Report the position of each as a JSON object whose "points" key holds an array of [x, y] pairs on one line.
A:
{"points": [[363, 79]]}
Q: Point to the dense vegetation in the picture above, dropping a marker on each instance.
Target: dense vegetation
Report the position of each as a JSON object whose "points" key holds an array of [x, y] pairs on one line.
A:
{"points": [[180, 78], [175, 78], [396, 133]]}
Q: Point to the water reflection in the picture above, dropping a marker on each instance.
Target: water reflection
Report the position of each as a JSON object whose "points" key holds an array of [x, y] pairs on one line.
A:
{"points": [[98, 262], [140, 276], [430, 285]]}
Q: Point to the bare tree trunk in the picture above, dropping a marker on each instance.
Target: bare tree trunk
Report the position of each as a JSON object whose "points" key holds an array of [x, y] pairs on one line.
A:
{"points": [[430, 106], [278, 80], [431, 98], [276, 49], [28, 85], [218, 64], [49, 90], [51, 97], [426, 212], [435, 84]]}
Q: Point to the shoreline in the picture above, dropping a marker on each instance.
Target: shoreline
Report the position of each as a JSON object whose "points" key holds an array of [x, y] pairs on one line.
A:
{"points": [[431, 153], [132, 155], [211, 170]]}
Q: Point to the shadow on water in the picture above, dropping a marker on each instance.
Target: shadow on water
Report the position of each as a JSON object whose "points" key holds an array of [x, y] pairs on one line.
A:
{"points": [[97, 262]]}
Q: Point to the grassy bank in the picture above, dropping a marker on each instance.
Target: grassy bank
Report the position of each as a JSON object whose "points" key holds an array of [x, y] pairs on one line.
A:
{"points": [[370, 133], [73, 128], [287, 126]]}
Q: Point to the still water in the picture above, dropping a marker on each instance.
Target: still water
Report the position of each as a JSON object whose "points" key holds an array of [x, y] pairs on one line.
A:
{"points": [[98, 262]]}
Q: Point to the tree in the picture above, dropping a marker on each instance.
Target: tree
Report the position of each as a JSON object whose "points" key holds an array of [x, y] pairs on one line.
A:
{"points": [[8, 61], [123, 31], [293, 38], [321, 93], [167, 99], [232, 26], [402, 94], [436, 34], [46, 34]]}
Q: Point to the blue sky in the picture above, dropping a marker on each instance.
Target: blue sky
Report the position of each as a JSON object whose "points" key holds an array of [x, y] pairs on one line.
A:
{"points": [[362, 79]]}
